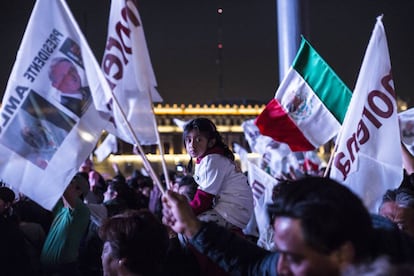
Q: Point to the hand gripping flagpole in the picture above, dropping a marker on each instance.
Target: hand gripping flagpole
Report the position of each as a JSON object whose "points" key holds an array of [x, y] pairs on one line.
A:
{"points": [[145, 160]]}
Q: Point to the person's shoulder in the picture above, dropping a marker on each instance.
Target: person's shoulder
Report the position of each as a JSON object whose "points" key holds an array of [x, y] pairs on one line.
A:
{"points": [[381, 222], [81, 208], [215, 157]]}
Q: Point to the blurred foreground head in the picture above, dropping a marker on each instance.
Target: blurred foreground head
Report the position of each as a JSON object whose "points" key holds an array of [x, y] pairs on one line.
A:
{"points": [[320, 227], [134, 242]]}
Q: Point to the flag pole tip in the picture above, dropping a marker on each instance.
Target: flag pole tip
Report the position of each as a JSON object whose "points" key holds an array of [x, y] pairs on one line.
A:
{"points": [[379, 17]]}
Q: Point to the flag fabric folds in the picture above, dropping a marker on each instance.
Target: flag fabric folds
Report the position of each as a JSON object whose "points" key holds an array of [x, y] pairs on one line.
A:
{"points": [[368, 157], [49, 124], [309, 105], [262, 185], [128, 70], [243, 155], [109, 145], [276, 158]]}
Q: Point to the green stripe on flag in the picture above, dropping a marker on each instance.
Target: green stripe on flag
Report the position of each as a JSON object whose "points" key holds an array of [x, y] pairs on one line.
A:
{"points": [[326, 84]]}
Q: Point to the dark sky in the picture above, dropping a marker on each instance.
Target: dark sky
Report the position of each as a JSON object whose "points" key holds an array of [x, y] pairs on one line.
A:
{"points": [[182, 40]]}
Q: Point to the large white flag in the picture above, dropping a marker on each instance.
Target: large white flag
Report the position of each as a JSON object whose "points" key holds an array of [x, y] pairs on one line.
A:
{"points": [[48, 124], [368, 159], [128, 70]]}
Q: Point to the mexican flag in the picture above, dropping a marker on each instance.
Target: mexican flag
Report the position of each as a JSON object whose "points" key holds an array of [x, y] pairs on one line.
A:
{"points": [[309, 106]]}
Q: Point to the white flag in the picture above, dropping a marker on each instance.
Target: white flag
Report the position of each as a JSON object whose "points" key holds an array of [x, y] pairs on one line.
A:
{"points": [[243, 155], [262, 185], [128, 70], [180, 123], [48, 124], [277, 158], [109, 145], [368, 159]]}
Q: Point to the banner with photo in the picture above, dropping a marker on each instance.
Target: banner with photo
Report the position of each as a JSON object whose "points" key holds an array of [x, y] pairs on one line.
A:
{"points": [[48, 122]]}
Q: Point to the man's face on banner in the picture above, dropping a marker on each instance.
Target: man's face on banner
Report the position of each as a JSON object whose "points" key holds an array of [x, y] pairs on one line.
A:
{"points": [[65, 77]]}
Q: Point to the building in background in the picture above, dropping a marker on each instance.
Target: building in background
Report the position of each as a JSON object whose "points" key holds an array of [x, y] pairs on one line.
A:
{"points": [[228, 119]]}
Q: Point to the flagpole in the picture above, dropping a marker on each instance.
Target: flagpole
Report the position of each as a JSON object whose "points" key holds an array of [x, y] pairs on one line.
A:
{"points": [[328, 166], [145, 160], [161, 148]]}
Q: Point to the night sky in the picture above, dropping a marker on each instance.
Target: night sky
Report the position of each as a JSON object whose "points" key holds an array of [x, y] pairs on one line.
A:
{"points": [[182, 38]]}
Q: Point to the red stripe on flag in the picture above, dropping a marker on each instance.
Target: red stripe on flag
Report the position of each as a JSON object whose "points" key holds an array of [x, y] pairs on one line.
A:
{"points": [[258, 189], [276, 123]]}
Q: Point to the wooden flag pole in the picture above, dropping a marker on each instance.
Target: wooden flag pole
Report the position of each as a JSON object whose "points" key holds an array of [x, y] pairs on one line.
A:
{"points": [[161, 148], [331, 158], [145, 160]]}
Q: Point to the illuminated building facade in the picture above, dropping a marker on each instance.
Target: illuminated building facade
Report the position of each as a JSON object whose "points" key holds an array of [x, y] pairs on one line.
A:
{"points": [[228, 119]]}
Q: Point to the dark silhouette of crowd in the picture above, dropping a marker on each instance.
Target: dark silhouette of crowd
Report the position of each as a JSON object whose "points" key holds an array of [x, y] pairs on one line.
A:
{"points": [[127, 225], [313, 219]]}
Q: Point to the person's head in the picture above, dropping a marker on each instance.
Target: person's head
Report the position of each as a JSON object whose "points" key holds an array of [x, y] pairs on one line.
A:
{"points": [[86, 166], [187, 186], [79, 185], [320, 227], [64, 76], [398, 206], [119, 177], [171, 178], [201, 135], [115, 189], [7, 197], [141, 185], [135, 243]]}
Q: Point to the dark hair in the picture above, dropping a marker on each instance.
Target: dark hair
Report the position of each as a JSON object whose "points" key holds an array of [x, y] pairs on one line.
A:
{"points": [[139, 237], [401, 196], [7, 194], [208, 129], [330, 214], [172, 175], [189, 181], [125, 199], [140, 182], [119, 177]]}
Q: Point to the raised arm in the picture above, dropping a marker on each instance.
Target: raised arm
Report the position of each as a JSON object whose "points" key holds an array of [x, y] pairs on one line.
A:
{"points": [[230, 251]]}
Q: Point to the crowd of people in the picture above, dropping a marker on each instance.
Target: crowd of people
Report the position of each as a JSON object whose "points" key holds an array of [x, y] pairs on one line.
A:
{"points": [[126, 226]]}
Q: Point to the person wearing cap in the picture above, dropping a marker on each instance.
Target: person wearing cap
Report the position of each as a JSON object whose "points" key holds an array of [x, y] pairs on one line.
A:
{"points": [[71, 218]]}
